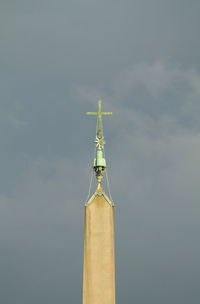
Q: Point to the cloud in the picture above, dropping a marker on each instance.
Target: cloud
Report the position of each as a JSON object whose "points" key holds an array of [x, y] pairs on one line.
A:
{"points": [[155, 78], [158, 78]]}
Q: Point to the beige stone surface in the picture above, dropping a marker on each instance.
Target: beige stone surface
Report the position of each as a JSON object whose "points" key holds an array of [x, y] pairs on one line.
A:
{"points": [[99, 263]]}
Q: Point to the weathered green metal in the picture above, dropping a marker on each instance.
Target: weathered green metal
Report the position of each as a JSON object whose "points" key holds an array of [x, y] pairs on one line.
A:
{"points": [[99, 163]]}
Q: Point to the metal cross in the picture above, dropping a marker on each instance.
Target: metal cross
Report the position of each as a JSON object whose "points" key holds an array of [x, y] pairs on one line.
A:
{"points": [[99, 119]]}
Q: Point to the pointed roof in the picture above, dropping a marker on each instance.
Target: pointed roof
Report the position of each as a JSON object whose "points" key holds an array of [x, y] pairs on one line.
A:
{"points": [[99, 192]]}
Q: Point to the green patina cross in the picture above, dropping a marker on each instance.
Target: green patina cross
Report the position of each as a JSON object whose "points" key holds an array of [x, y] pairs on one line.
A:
{"points": [[99, 121]]}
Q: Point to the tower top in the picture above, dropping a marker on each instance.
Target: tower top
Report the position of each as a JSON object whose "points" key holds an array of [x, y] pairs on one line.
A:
{"points": [[99, 164]]}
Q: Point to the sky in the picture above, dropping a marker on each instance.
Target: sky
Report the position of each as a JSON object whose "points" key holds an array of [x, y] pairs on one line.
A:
{"points": [[57, 59]]}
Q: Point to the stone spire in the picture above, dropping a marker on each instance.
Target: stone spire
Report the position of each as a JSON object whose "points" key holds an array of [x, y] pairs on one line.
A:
{"points": [[99, 257]]}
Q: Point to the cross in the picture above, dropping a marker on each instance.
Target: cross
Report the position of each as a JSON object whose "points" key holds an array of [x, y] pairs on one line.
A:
{"points": [[99, 119]]}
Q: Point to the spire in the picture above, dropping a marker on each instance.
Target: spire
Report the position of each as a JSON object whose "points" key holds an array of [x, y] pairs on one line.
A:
{"points": [[99, 163]]}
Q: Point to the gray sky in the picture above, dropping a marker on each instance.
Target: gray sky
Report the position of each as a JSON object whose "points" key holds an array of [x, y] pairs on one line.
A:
{"points": [[57, 58]]}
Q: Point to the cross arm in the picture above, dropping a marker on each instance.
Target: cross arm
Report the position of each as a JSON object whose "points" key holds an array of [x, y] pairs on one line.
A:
{"points": [[99, 113]]}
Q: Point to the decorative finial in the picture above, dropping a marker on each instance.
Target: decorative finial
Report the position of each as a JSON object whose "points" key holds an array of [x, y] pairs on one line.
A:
{"points": [[99, 164]]}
